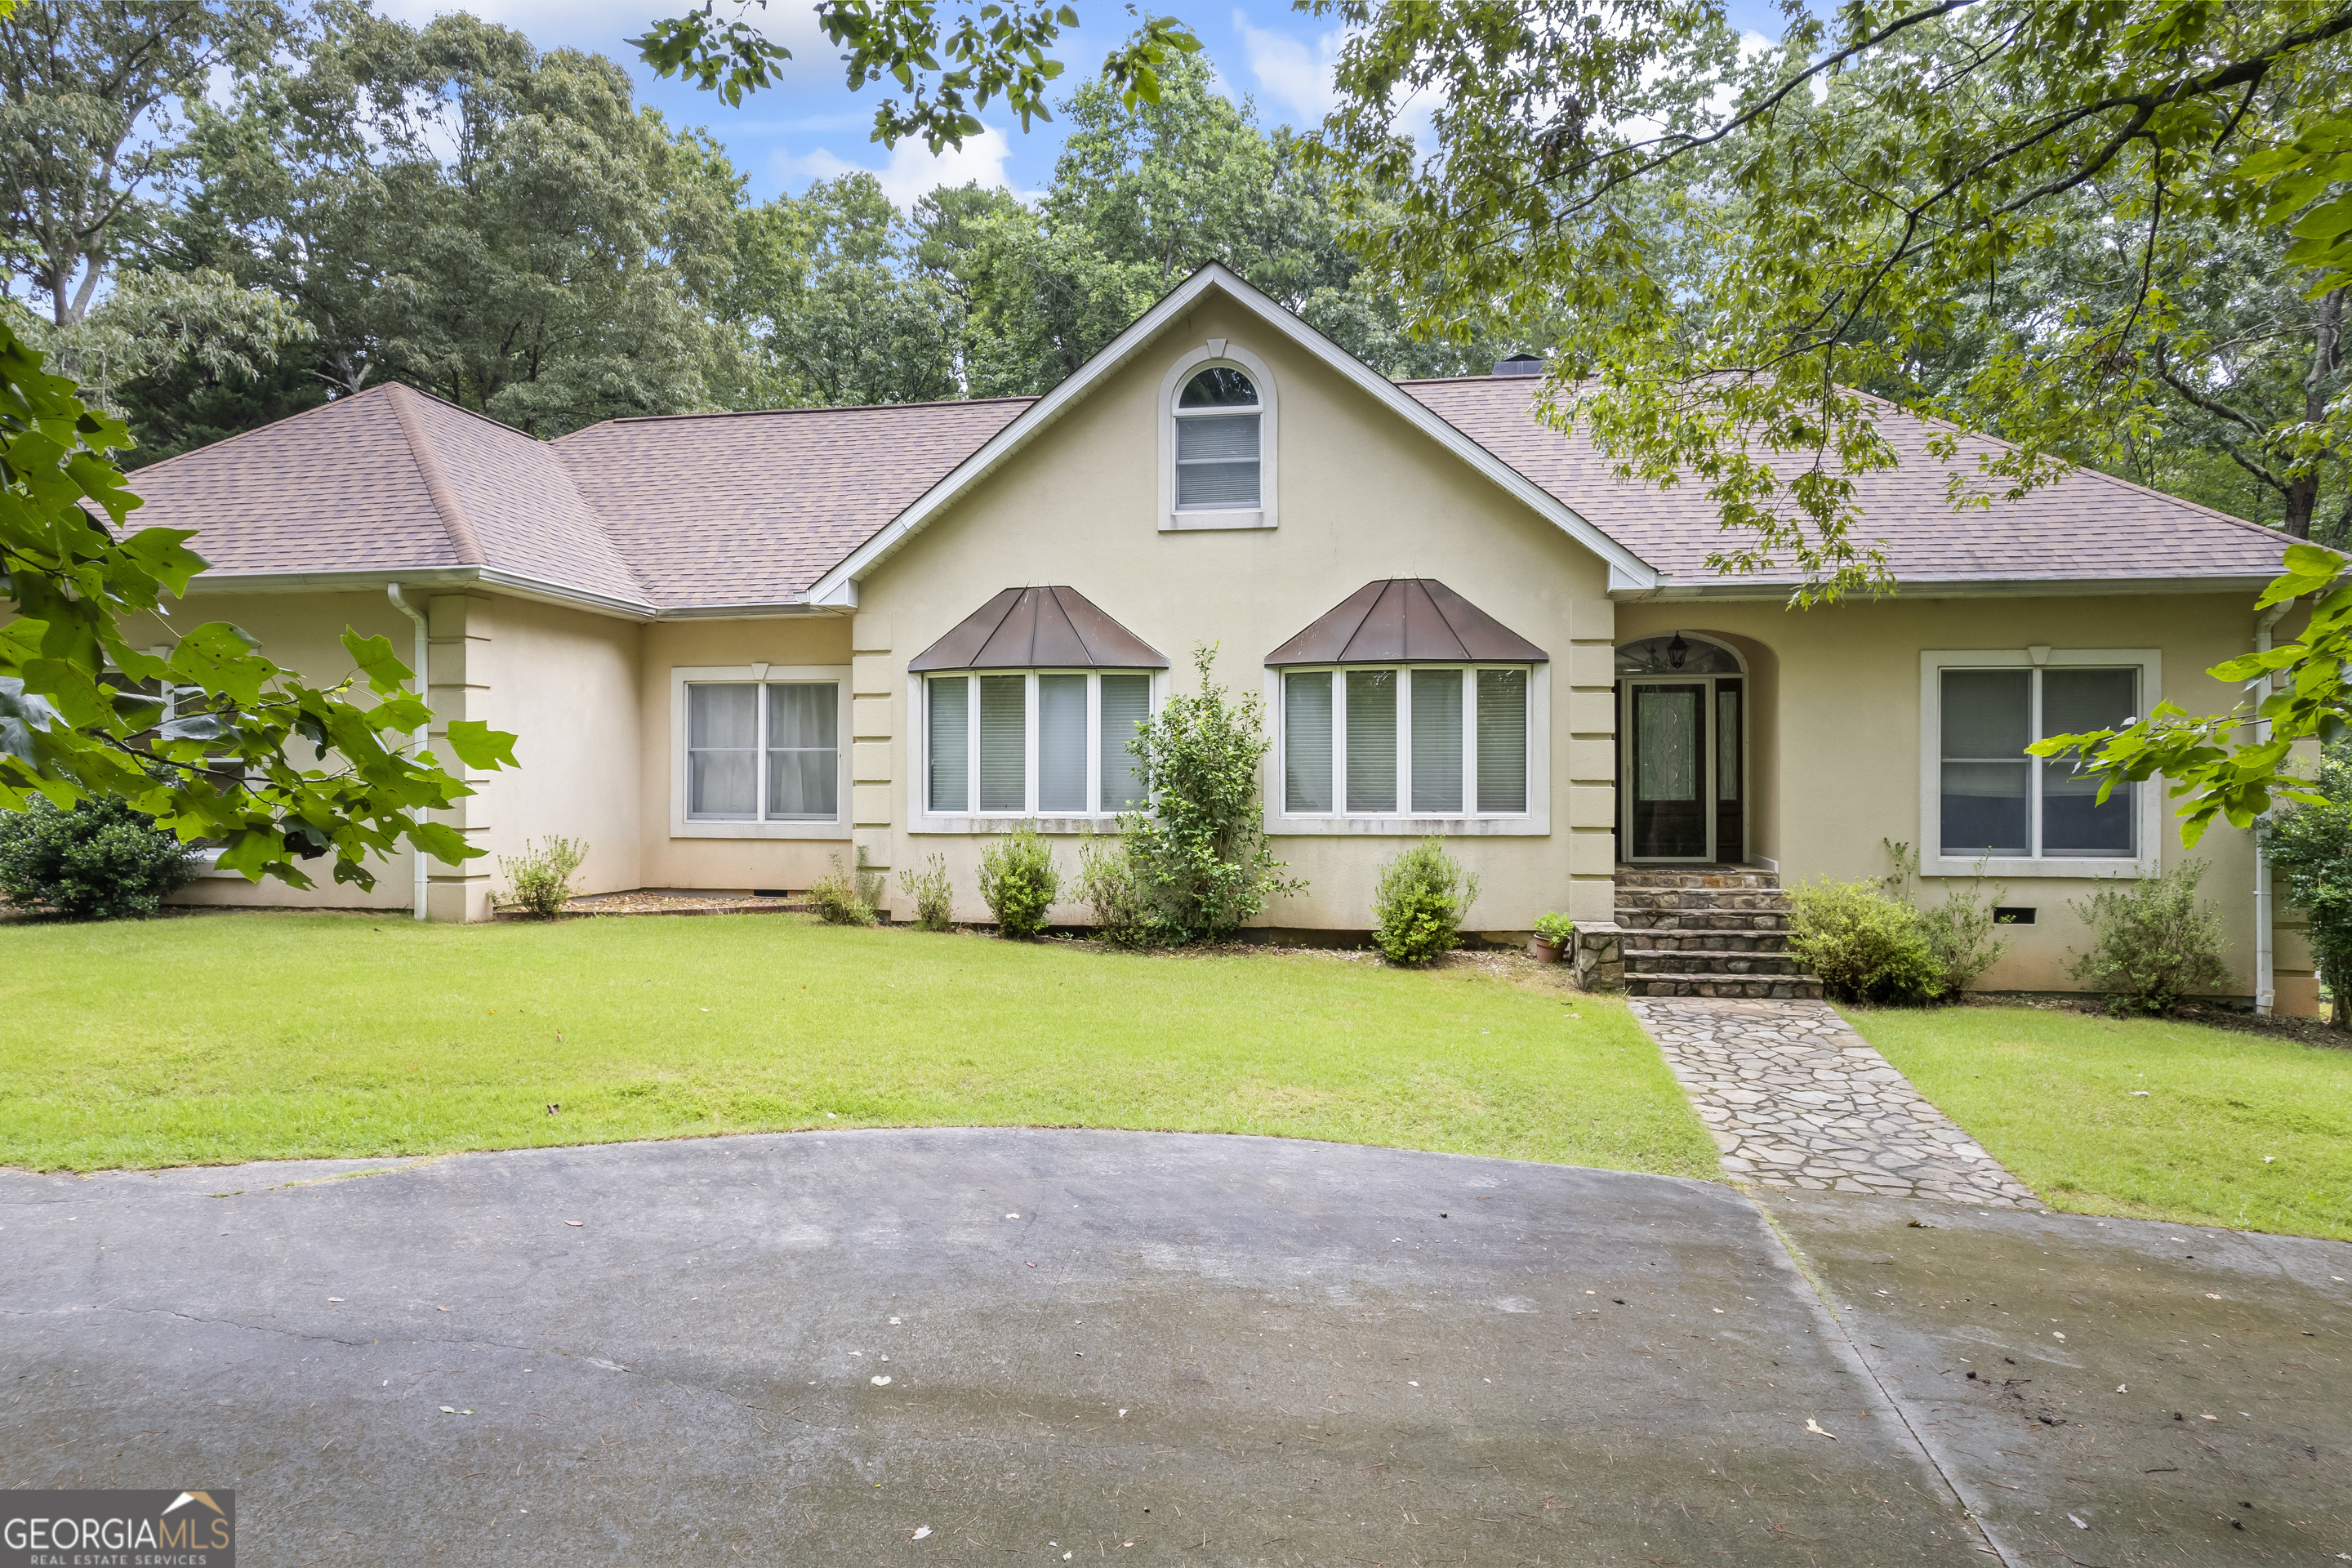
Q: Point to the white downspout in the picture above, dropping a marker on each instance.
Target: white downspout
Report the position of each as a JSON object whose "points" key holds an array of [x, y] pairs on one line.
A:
{"points": [[424, 651], [2265, 981]]}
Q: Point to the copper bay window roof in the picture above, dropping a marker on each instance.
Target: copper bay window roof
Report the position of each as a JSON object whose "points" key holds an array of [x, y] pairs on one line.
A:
{"points": [[1039, 628], [1407, 620]]}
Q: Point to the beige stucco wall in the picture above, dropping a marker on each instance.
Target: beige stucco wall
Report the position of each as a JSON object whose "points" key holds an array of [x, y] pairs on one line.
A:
{"points": [[1361, 495], [1835, 755], [564, 681]]}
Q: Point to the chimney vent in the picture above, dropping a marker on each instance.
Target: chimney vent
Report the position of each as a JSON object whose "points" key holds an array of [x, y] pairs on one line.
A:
{"points": [[1520, 365]]}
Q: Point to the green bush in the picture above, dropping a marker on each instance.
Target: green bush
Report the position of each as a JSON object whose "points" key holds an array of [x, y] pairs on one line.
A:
{"points": [[1556, 929], [1864, 946], [100, 860], [2310, 847], [2154, 944], [1110, 887], [1198, 856], [1020, 882], [541, 876], [1960, 932], [933, 892], [1418, 907], [842, 898]]}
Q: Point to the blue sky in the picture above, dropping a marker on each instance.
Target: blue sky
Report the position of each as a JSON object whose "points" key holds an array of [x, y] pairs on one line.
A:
{"points": [[812, 126]]}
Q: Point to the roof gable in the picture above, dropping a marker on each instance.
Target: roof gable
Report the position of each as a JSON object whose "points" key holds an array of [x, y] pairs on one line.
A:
{"points": [[838, 585]]}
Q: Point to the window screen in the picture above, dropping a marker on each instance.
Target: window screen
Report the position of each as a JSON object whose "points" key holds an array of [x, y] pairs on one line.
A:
{"points": [[1987, 722], [1126, 704], [722, 756], [1307, 742], [951, 738], [1061, 743], [1371, 740], [1502, 739], [1437, 739], [1003, 743]]}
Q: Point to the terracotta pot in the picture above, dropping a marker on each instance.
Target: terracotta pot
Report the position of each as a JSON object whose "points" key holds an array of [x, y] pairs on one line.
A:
{"points": [[1543, 951]]}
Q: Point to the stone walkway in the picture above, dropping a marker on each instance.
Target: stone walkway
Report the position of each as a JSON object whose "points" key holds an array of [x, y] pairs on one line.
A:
{"points": [[1796, 1098]]}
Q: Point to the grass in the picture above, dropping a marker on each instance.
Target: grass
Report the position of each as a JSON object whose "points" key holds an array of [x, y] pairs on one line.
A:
{"points": [[244, 1037], [2234, 1129]]}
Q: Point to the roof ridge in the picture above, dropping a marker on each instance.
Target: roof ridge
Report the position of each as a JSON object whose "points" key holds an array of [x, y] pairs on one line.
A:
{"points": [[453, 521], [767, 413]]}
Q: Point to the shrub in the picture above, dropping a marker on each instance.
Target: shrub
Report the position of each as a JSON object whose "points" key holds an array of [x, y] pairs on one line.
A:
{"points": [[1865, 946], [933, 893], [1960, 931], [1108, 885], [1199, 855], [1020, 882], [2310, 848], [2154, 944], [842, 898], [1556, 929], [541, 876], [99, 861], [1418, 907]]}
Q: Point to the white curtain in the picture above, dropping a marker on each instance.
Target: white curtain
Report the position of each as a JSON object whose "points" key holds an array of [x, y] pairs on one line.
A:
{"points": [[722, 756], [804, 751]]}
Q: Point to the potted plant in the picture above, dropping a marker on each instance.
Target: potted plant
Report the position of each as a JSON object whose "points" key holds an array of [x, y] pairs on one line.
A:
{"points": [[1553, 932]]}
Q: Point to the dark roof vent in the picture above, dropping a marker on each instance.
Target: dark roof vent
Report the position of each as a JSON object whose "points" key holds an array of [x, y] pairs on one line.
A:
{"points": [[1520, 365]]}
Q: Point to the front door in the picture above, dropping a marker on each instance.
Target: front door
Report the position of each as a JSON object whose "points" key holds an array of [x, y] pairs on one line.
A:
{"points": [[1681, 775], [1669, 796]]}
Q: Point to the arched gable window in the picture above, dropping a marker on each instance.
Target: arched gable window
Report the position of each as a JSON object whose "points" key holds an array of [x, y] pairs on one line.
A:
{"points": [[1217, 443]]}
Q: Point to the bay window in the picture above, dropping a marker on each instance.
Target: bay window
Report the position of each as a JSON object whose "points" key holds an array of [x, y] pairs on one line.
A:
{"points": [[1408, 741], [1032, 743]]}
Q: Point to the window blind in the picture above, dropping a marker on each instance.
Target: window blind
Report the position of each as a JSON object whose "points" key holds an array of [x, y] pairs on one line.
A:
{"points": [[1003, 743], [1307, 742], [722, 756], [1371, 740], [1502, 739], [1126, 704], [804, 751], [1062, 742], [1987, 723], [950, 700], [1216, 461], [2073, 820], [1437, 739]]}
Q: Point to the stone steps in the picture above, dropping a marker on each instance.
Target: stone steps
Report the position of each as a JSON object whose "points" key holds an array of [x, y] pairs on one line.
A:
{"points": [[1708, 931]]}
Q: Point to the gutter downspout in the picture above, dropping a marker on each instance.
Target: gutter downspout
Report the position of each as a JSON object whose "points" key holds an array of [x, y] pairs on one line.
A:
{"points": [[2265, 980], [424, 651]]}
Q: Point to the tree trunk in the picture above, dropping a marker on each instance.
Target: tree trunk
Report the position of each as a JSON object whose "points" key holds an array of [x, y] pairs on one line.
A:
{"points": [[2303, 491]]}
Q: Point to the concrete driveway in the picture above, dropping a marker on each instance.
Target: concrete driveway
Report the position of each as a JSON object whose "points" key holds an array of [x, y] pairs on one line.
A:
{"points": [[1160, 1347]]}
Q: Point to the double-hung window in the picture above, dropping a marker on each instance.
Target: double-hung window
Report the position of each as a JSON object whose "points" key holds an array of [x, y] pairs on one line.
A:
{"points": [[1987, 798], [1405, 741], [1032, 743], [763, 751]]}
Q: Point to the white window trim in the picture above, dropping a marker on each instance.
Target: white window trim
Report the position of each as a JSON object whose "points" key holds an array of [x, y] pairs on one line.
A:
{"points": [[1933, 862], [1534, 822], [681, 675], [921, 818], [1216, 351]]}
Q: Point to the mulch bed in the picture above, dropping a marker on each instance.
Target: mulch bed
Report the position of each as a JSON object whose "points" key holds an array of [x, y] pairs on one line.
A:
{"points": [[2303, 1031]]}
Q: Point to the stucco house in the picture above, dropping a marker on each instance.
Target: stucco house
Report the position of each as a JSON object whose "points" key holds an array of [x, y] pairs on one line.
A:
{"points": [[736, 645]]}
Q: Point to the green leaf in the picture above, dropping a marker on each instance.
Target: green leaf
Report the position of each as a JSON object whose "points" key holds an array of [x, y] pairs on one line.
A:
{"points": [[479, 746], [376, 661]]}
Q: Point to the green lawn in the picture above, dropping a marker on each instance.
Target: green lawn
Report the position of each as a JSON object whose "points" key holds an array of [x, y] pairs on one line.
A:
{"points": [[2234, 1129], [241, 1037]]}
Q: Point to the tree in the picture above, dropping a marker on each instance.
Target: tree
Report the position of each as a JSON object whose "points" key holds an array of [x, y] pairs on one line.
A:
{"points": [[87, 90], [2310, 848], [208, 739], [1833, 206]]}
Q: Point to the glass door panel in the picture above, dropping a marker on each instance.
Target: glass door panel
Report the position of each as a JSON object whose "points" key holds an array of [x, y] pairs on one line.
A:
{"points": [[1670, 808]]}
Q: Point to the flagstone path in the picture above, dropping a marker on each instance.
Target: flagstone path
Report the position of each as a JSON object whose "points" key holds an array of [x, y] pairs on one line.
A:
{"points": [[1796, 1098]]}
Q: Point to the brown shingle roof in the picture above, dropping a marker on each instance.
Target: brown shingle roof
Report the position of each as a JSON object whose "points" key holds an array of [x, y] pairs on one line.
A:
{"points": [[750, 509], [1039, 628], [2086, 525]]}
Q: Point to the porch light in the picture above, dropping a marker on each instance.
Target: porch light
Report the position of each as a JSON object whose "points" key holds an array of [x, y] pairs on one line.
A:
{"points": [[1678, 651]]}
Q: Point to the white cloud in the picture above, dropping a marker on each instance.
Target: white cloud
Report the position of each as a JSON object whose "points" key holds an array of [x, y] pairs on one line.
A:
{"points": [[912, 171], [1292, 75]]}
